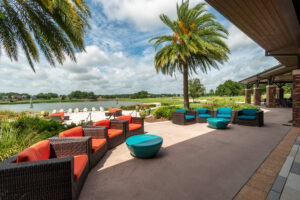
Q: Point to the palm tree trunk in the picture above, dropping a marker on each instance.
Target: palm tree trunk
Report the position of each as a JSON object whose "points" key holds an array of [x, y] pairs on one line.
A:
{"points": [[186, 87]]}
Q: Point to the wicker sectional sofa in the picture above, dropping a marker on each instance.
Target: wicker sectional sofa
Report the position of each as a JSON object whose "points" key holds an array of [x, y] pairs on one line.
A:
{"points": [[250, 117], [46, 170], [184, 117]]}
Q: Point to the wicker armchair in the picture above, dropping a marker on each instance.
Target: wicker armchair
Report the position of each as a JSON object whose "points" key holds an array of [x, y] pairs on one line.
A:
{"points": [[184, 117], [114, 131], [52, 178], [256, 118], [98, 145], [133, 125], [202, 114]]}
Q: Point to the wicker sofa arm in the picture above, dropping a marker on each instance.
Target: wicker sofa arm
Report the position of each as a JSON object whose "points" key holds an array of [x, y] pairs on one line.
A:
{"points": [[70, 146], [178, 114], [96, 132], [137, 120], [259, 114], [118, 124], [211, 112], [43, 179]]}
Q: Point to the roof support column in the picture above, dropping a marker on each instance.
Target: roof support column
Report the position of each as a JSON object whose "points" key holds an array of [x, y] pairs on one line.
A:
{"points": [[296, 98], [271, 91], [257, 96], [248, 95]]}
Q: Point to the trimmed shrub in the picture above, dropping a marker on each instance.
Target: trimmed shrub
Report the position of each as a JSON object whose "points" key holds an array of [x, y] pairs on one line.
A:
{"points": [[165, 112]]}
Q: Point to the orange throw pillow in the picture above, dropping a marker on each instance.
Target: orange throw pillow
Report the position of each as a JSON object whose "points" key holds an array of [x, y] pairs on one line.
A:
{"points": [[38, 151], [128, 118], [73, 132], [105, 123]]}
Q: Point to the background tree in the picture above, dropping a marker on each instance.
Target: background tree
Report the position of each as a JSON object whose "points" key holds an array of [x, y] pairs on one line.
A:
{"points": [[55, 27], [196, 43], [141, 94], [196, 88], [211, 92], [229, 88]]}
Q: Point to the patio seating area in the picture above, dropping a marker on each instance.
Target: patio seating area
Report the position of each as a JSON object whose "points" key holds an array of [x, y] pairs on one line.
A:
{"points": [[195, 162]]}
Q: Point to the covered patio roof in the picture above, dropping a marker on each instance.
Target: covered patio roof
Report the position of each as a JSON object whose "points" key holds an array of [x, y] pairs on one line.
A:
{"points": [[273, 24], [276, 74]]}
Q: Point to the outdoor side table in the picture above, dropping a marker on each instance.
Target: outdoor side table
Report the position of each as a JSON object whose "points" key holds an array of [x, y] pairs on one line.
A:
{"points": [[218, 123], [144, 146]]}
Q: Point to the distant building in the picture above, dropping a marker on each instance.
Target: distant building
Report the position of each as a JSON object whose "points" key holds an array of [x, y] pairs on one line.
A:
{"points": [[5, 97]]}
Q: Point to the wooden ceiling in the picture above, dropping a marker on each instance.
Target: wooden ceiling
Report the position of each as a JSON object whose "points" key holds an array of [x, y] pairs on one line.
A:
{"points": [[273, 24]]}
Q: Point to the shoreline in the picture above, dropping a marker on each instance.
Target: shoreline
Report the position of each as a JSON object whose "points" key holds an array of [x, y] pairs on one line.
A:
{"points": [[55, 101]]}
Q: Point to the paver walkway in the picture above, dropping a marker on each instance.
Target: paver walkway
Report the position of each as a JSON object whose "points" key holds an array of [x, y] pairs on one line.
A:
{"points": [[196, 162], [287, 184]]}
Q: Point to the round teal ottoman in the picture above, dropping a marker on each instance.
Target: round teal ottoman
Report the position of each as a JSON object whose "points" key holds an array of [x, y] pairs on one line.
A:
{"points": [[218, 123], [144, 146]]}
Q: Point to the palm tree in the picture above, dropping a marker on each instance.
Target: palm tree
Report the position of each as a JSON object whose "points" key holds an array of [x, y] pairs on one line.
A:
{"points": [[196, 43], [55, 27]]}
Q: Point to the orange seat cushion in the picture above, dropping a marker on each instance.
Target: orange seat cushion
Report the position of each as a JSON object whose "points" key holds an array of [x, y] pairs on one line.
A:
{"points": [[73, 132], [128, 118], [105, 123], [38, 151], [114, 132], [97, 144], [79, 165], [134, 126]]}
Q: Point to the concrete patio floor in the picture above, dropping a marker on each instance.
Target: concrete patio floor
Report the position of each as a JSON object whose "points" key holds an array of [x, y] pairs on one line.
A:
{"points": [[196, 162]]}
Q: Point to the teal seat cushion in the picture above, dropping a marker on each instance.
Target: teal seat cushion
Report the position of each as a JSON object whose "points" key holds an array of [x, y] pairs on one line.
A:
{"points": [[181, 110], [201, 110], [250, 112], [187, 117], [224, 115], [246, 117], [204, 115], [224, 111]]}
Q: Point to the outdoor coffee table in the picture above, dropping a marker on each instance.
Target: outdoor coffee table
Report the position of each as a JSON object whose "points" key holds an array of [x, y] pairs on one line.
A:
{"points": [[144, 146], [218, 123]]}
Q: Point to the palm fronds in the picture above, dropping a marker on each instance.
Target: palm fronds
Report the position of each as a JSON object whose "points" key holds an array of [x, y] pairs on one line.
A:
{"points": [[55, 27]]}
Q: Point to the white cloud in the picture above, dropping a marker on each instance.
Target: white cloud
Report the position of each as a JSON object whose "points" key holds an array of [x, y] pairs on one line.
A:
{"points": [[144, 14], [237, 39]]}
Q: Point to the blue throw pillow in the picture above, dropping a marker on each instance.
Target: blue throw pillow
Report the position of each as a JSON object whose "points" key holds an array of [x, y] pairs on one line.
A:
{"points": [[181, 110], [249, 112], [224, 110], [201, 110]]}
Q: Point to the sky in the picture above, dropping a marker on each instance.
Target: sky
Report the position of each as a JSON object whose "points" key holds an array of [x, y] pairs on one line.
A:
{"points": [[119, 59]]}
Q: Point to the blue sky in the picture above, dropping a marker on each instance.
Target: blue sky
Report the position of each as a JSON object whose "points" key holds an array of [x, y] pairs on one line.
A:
{"points": [[119, 59]]}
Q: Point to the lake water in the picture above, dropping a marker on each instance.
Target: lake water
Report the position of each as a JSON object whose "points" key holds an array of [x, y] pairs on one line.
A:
{"points": [[37, 107]]}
